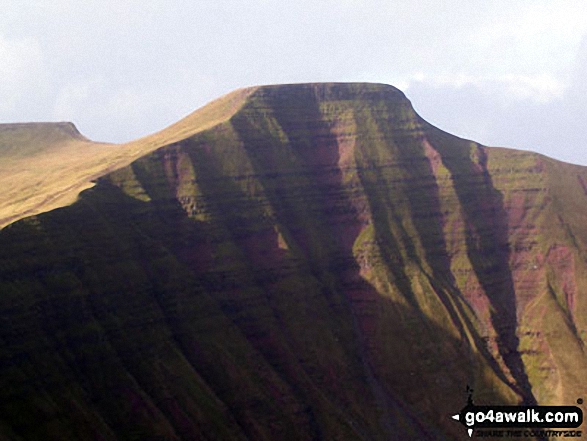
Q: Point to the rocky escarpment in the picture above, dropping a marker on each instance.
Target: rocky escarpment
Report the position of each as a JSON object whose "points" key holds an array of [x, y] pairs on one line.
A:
{"points": [[321, 264]]}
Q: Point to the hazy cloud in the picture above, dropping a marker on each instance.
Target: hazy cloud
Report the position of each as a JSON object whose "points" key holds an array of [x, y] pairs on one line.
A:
{"points": [[21, 73], [124, 69], [543, 114]]}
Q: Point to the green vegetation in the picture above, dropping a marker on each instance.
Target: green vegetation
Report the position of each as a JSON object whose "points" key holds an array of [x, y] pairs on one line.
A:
{"points": [[292, 262]]}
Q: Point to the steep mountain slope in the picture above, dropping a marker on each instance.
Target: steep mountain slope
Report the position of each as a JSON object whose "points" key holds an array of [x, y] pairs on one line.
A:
{"points": [[45, 165], [302, 262]]}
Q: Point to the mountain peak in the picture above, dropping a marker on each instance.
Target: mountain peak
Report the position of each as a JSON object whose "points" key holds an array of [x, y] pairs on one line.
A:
{"points": [[279, 95], [25, 139], [334, 91]]}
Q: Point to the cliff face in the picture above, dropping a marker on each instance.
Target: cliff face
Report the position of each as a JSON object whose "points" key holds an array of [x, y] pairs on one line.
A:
{"points": [[320, 263]]}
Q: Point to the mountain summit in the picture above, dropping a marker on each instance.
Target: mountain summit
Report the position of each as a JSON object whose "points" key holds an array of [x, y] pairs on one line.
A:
{"points": [[306, 261]]}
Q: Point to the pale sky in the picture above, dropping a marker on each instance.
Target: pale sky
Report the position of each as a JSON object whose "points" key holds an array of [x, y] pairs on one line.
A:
{"points": [[503, 73]]}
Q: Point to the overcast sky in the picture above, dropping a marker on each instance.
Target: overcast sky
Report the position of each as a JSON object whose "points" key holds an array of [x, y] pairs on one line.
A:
{"points": [[505, 73]]}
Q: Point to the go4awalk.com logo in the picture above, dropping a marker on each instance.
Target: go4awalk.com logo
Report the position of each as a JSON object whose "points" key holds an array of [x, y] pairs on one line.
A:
{"points": [[521, 421]]}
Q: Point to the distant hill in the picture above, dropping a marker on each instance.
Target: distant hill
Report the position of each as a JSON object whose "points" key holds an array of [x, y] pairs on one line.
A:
{"points": [[292, 262]]}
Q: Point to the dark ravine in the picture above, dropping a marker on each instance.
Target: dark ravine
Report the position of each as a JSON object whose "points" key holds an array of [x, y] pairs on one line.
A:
{"points": [[323, 264]]}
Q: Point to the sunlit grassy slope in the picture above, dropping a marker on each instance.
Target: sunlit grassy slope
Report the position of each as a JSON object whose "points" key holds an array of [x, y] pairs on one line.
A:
{"points": [[45, 165]]}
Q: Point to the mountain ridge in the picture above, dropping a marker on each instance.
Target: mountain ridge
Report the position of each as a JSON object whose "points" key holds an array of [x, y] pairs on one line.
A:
{"points": [[72, 150], [70, 162]]}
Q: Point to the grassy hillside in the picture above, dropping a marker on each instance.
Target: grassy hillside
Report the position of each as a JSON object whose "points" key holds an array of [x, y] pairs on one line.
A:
{"points": [[294, 262], [45, 165]]}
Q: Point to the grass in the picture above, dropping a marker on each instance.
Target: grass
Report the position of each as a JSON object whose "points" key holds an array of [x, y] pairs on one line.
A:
{"points": [[44, 166], [284, 262]]}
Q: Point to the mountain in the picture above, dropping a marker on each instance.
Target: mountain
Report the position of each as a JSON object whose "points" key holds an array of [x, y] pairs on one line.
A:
{"points": [[45, 165], [304, 262]]}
